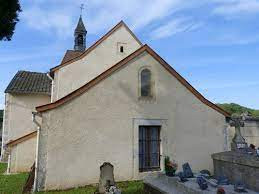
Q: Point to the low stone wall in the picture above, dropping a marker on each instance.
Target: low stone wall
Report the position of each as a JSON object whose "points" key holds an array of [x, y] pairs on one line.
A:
{"points": [[237, 167]]}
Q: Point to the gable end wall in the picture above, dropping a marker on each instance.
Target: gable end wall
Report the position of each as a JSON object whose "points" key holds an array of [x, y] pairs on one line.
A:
{"points": [[72, 76], [100, 126]]}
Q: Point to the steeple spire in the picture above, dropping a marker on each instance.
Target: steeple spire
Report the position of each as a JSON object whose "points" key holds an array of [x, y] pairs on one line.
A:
{"points": [[80, 34], [80, 26]]}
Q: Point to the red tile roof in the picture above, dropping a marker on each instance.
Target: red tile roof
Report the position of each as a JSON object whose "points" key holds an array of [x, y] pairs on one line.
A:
{"points": [[70, 54]]}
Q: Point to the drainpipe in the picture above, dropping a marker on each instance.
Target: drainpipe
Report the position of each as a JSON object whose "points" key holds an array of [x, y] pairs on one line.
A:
{"points": [[9, 164], [52, 87], [34, 114]]}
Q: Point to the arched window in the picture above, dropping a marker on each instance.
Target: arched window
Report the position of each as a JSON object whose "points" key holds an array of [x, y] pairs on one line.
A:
{"points": [[145, 79]]}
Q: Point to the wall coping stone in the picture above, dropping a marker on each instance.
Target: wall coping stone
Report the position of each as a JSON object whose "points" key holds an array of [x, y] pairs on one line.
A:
{"points": [[237, 158]]}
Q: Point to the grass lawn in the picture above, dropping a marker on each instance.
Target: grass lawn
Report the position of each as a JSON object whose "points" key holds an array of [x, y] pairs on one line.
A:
{"points": [[12, 184]]}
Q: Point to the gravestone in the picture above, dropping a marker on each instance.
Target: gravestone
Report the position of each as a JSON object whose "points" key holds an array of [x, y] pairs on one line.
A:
{"points": [[240, 163], [238, 142], [237, 165], [187, 171], [106, 177], [202, 183]]}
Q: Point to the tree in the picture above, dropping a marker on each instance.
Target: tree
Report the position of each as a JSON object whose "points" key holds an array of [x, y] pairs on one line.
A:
{"points": [[9, 10]]}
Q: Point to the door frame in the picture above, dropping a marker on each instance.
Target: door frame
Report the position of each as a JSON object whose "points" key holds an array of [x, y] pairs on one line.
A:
{"points": [[135, 143]]}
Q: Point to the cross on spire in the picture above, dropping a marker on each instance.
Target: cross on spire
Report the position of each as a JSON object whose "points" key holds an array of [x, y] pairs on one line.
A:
{"points": [[81, 8], [80, 33]]}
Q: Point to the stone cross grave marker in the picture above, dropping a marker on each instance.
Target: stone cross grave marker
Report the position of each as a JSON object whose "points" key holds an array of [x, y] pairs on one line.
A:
{"points": [[238, 142]]}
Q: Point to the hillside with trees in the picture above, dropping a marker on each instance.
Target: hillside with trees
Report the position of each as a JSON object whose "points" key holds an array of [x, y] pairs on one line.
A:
{"points": [[236, 109]]}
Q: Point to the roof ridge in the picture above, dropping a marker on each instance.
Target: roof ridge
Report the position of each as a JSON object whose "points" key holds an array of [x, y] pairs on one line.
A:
{"points": [[31, 72]]}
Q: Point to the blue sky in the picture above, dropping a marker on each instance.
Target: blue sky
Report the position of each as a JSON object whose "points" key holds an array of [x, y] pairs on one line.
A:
{"points": [[214, 44]]}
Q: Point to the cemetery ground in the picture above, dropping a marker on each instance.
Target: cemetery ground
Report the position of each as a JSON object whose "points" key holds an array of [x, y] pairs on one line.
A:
{"points": [[14, 184]]}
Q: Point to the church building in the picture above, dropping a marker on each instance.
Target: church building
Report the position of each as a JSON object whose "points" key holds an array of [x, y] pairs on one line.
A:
{"points": [[115, 101]]}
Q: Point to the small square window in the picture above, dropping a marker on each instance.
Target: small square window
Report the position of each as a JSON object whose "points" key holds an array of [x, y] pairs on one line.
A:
{"points": [[121, 49]]}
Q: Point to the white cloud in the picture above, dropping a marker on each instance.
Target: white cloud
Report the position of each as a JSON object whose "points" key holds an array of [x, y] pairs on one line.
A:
{"points": [[231, 8], [48, 21], [60, 17], [175, 26]]}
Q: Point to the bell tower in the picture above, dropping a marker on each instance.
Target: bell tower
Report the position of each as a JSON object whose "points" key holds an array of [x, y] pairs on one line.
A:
{"points": [[80, 34]]}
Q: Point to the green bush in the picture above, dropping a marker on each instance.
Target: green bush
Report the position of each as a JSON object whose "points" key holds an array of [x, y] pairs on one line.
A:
{"points": [[170, 166]]}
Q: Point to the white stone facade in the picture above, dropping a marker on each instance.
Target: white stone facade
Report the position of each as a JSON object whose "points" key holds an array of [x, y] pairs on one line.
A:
{"points": [[101, 125], [72, 76], [17, 123], [22, 156]]}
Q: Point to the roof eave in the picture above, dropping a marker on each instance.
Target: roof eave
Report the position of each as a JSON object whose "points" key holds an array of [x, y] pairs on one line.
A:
{"points": [[21, 139], [33, 93]]}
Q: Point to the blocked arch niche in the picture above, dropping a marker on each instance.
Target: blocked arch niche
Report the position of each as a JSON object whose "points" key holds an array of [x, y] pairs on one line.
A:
{"points": [[148, 75]]}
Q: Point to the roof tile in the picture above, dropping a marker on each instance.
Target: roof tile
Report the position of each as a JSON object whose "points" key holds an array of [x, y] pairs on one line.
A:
{"points": [[25, 82], [70, 54]]}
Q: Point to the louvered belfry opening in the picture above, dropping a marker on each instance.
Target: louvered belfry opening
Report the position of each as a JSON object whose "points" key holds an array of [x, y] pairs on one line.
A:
{"points": [[149, 148]]}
